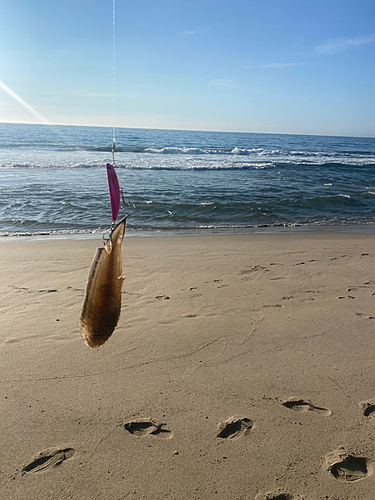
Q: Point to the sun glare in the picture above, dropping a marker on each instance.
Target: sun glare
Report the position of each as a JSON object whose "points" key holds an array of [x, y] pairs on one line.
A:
{"points": [[27, 106]]}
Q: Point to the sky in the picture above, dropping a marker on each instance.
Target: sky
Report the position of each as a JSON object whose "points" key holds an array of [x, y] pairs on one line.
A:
{"points": [[270, 66]]}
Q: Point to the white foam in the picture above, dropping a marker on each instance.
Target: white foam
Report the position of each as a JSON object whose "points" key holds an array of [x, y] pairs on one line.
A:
{"points": [[174, 151]]}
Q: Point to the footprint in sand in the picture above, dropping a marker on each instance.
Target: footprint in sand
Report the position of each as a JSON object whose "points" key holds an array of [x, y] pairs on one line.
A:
{"points": [[143, 428], [368, 408], [278, 496], [47, 459], [75, 289], [304, 406], [361, 315], [253, 269], [234, 428], [19, 288], [348, 468]]}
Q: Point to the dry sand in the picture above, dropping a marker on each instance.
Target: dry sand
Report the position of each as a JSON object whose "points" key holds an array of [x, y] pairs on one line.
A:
{"points": [[242, 368]]}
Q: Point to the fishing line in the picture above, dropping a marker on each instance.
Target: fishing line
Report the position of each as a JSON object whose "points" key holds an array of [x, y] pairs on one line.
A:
{"points": [[114, 79], [124, 204], [115, 192], [114, 93]]}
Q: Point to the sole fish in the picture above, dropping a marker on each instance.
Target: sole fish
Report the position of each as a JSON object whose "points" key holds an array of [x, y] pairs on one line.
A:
{"points": [[102, 304]]}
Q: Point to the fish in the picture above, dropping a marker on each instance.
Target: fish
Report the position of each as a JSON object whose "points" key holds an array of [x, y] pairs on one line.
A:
{"points": [[102, 303]]}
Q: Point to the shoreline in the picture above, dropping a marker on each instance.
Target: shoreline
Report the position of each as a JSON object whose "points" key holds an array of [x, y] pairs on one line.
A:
{"points": [[350, 228]]}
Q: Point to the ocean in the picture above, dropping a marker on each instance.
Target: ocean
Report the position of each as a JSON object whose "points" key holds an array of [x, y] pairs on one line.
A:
{"points": [[53, 181]]}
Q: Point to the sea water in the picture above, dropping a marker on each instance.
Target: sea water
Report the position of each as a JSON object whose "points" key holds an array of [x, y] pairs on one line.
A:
{"points": [[53, 181]]}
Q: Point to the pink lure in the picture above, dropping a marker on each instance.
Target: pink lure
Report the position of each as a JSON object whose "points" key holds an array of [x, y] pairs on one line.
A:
{"points": [[114, 190]]}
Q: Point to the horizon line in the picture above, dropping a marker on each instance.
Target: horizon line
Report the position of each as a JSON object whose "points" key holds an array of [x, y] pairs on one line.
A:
{"points": [[184, 129]]}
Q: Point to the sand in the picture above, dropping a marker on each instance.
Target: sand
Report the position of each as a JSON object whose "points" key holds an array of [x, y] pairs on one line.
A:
{"points": [[242, 368]]}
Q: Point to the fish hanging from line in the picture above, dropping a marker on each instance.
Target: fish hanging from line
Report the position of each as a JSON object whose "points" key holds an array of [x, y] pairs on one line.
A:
{"points": [[102, 303]]}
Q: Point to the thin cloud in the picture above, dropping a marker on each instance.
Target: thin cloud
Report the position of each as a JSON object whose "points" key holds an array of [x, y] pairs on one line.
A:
{"points": [[222, 82], [274, 65], [201, 31], [98, 94], [79, 93], [344, 43], [189, 32]]}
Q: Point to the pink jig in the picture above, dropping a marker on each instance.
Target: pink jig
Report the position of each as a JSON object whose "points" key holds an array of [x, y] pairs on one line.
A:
{"points": [[114, 190]]}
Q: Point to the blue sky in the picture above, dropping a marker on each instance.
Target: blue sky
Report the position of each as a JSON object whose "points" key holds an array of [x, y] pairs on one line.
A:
{"points": [[277, 66]]}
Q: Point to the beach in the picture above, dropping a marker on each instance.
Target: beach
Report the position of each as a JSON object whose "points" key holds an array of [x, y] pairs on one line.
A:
{"points": [[241, 368]]}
